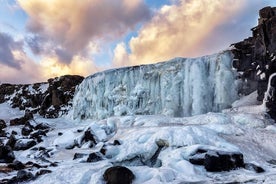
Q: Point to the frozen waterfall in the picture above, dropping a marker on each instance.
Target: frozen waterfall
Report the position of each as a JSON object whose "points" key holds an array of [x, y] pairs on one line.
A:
{"points": [[179, 87]]}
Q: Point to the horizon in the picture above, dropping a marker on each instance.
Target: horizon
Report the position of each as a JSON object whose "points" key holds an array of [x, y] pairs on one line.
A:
{"points": [[46, 39]]}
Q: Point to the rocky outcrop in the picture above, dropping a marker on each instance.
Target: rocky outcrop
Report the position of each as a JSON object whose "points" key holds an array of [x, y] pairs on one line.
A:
{"points": [[50, 99], [255, 57], [118, 174]]}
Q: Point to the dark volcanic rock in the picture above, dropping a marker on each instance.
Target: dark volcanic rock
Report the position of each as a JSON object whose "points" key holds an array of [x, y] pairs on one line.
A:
{"points": [[49, 99], [222, 161], [24, 144], [11, 142], [255, 57], [23, 120], [118, 174], [2, 124], [23, 175], [16, 165], [217, 161], [6, 154], [26, 130], [94, 157], [253, 167]]}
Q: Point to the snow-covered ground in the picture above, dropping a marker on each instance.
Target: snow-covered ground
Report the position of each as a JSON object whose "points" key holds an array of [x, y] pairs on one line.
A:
{"points": [[244, 129]]}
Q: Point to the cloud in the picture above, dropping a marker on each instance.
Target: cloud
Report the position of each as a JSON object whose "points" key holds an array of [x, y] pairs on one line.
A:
{"points": [[190, 28], [51, 67], [29, 71], [180, 29], [7, 51], [72, 24]]}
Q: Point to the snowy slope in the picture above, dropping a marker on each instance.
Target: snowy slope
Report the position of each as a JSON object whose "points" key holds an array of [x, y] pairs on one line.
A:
{"points": [[252, 134], [177, 88]]}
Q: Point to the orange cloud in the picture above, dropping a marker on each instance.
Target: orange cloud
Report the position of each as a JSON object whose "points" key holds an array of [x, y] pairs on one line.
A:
{"points": [[73, 24], [179, 30], [50, 67]]}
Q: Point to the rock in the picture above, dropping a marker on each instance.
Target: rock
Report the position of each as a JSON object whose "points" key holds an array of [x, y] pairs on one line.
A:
{"points": [[23, 120], [42, 172], [254, 57], [222, 161], [24, 144], [37, 135], [94, 157], [217, 161], [42, 126], [79, 155], [2, 124], [16, 165], [89, 137], [11, 142], [266, 12], [3, 133], [17, 121], [6, 154], [50, 98], [23, 175], [118, 175], [26, 130], [116, 143], [60, 134], [253, 167]]}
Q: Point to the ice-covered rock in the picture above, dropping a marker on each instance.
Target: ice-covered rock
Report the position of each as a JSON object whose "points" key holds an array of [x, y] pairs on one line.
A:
{"points": [[179, 87]]}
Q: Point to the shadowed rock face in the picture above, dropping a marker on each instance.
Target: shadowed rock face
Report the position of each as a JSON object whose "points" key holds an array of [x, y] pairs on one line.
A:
{"points": [[50, 99], [255, 57]]}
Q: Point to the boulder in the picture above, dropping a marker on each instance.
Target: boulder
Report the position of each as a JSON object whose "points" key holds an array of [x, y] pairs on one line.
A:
{"points": [[23, 175], [222, 161], [2, 124], [11, 142], [23, 120], [94, 157], [24, 144], [118, 175], [6, 154], [217, 161], [16, 165], [26, 130]]}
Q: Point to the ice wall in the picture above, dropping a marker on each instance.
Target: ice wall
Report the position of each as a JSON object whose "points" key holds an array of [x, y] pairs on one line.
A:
{"points": [[179, 87]]}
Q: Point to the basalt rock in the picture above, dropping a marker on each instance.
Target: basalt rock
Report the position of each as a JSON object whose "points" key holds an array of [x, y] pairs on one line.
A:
{"points": [[2, 124], [255, 57], [50, 99], [217, 161], [24, 144], [118, 174], [6, 154]]}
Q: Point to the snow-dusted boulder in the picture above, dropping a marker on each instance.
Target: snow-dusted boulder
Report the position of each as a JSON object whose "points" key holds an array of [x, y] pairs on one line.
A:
{"points": [[179, 87]]}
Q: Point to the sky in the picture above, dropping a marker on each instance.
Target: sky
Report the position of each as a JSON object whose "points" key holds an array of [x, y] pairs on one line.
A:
{"points": [[42, 39]]}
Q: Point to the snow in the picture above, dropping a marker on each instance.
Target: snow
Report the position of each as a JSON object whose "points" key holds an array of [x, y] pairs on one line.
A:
{"points": [[163, 88], [249, 133]]}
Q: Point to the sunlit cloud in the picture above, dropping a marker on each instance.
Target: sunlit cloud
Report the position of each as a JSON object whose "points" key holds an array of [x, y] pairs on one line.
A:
{"points": [[72, 24], [179, 30]]}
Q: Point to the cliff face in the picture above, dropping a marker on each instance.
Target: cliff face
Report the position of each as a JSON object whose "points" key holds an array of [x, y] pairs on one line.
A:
{"points": [[50, 99], [255, 57], [180, 87]]}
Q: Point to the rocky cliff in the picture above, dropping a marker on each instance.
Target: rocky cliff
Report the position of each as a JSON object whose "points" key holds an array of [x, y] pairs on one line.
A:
{"points": [[50, 99], [255, 57]]}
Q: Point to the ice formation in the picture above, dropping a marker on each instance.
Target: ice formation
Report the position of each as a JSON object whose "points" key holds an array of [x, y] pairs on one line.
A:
{"points": [[179, 87]]}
